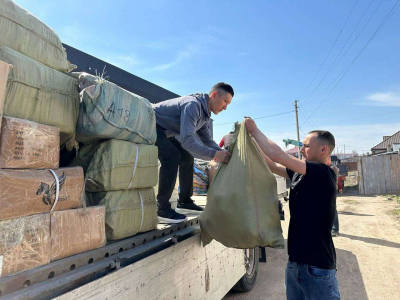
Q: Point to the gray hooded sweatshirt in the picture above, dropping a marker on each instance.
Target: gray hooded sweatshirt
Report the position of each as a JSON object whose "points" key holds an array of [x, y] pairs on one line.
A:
{"points": [[184, 117]]}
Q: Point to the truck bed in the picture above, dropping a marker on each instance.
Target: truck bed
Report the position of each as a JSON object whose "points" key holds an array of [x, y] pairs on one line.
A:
{"points": [[171, 255]]}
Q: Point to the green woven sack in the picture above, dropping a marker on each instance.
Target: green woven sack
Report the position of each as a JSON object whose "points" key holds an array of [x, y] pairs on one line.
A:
{"points": [[26, 34], [110, 112], [40, 94], [118, 165], [242, 201], [127, 212]]}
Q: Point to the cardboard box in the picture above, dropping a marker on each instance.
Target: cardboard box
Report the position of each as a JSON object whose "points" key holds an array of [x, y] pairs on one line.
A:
{"points": [[4, 70], [77, 230], [28, 192], [24, 243], [28, 145]]}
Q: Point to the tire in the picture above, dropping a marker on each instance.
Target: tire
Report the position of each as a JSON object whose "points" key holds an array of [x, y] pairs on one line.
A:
{"points": [[246, 283]]}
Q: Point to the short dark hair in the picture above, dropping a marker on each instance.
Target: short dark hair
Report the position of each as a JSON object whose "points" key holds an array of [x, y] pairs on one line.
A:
{"points": [[222, 87], [325, 137]]}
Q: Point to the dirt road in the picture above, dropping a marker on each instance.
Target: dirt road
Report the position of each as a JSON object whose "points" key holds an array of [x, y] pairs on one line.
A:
{"points": [[368, 252]]}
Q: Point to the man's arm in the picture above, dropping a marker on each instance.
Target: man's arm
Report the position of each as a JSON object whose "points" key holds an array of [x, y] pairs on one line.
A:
{"points": [[273, 151], [189, 117], [204, 134], [277, 169]]}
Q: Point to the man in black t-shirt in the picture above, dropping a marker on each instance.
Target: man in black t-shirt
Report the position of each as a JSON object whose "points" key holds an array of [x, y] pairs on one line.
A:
{"points": [[311, 270]]}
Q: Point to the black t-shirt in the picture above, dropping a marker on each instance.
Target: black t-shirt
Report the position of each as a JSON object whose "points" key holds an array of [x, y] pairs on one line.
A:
{"points": [[312, 205]]}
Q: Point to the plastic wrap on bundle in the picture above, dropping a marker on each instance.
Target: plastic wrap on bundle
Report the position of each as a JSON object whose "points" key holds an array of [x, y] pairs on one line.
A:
{"points": [[28, 145], [27, 192], [75, 231], [24, 243]]}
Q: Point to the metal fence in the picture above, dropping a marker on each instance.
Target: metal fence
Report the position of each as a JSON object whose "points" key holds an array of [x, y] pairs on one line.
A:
{"points": [[379, 175]]}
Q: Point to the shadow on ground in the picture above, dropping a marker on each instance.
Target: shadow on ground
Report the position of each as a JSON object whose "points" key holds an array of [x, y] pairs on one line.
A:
{"points": [[371, 240], [270, 282], [353, 214]]}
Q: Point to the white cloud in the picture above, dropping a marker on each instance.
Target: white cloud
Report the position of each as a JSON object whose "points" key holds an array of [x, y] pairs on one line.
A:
{"points": [[189, 51], [384, 99]]}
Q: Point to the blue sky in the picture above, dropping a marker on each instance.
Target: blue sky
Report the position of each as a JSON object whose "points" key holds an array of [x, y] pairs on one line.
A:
{"points": [[269, 51]]}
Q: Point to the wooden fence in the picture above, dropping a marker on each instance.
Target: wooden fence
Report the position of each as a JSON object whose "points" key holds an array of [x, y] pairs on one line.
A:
{"points": [[379, 175]]}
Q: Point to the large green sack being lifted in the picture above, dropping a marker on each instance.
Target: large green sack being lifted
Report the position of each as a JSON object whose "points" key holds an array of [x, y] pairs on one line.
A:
{"points": [[242, 202], [40, 94], [118, 165], [127, 212], [110, 112], [26, 34]]}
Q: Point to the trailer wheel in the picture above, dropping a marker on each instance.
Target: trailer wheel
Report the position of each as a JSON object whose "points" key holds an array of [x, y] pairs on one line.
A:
{"points": [[251, 259]]}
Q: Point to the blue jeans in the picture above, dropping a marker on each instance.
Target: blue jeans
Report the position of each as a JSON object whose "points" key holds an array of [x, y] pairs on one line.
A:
{"points": [[305, 282]]}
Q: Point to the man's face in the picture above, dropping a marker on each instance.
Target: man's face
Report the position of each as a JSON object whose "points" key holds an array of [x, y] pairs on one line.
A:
{"points": [[312, 149], [219, 103]]}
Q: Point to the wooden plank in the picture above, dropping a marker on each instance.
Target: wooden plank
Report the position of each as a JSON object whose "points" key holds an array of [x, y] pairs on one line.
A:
{"points": [[184, 271], [361, 189], [388, 180], [379, 175], [394, 164]]}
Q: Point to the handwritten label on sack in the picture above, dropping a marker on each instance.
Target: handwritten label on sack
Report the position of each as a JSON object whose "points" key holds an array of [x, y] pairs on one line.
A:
{"points": [[118, 112]]}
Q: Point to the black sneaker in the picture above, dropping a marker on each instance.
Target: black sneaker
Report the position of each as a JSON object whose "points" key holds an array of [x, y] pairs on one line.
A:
{"points": [[170, 216], [335, 233], [188, 208]]}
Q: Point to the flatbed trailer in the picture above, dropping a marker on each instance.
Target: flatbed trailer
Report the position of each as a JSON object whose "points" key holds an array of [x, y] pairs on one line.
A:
{"points": [[166, 263]]}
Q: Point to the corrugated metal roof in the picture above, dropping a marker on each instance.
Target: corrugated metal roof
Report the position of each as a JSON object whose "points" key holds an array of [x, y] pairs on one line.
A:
{"points": [[394, 139], [89, 64]]}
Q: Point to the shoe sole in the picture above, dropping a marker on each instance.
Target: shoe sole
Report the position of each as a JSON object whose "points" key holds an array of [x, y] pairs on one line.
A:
{"points": [[188, 211], [170, 221]]}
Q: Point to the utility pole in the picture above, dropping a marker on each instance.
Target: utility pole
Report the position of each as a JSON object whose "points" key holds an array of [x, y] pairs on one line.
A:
{"points": [[344, 151], [297, 125]]}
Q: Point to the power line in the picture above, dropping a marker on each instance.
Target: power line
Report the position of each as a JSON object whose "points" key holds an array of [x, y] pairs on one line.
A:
{"points": [[330, 68], [337, 38], [305, 118], [357, 36], [358, 55], [269, 116]]}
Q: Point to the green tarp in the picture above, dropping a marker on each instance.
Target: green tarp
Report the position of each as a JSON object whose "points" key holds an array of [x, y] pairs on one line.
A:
{"points": [[242, 201], [127, 212], [40, 94], [118, 165], [110, 112], [26, 34]]}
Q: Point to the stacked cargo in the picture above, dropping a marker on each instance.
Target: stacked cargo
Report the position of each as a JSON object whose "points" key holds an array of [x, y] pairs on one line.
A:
{"points": [[37, 90], [41, 218], [119, 158], [35, 194]]}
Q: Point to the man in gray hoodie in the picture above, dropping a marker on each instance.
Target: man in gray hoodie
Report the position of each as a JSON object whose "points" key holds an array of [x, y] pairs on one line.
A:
{"points": [[184, 117]]}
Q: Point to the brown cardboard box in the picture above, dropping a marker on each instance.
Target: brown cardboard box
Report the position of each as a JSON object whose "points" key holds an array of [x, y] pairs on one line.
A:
{"points": [[77, 230], [4, 70], [28, 192], [28, 145], [24, 243]]}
